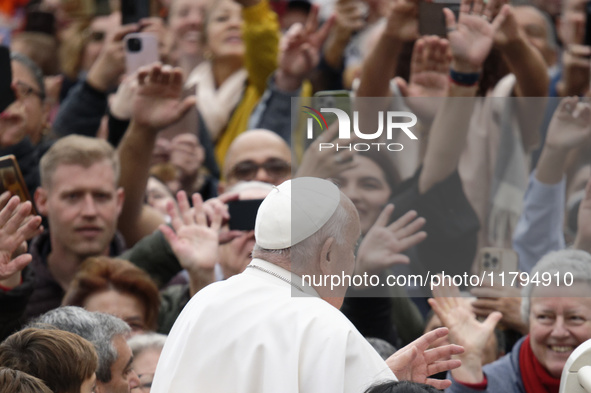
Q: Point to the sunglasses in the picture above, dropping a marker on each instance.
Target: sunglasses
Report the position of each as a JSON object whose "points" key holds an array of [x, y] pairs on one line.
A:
{"points": [[247, 170]]}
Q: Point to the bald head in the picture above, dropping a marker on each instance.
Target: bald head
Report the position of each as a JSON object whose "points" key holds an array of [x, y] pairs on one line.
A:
{"points": [[258, 155]]}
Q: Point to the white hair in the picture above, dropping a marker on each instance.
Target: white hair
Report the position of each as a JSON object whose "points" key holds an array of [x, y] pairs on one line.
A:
{"points": [[565, 262]]}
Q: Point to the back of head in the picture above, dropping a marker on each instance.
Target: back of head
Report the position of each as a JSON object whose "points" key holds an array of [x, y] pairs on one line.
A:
{"points": [[401, 387], [15, 381], [63, 360], [297, 217], [98, 328], [99, 274], [77, 150]]}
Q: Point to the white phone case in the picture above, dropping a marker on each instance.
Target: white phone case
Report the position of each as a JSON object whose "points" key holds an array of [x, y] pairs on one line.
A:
{"points": [[146, 54]]}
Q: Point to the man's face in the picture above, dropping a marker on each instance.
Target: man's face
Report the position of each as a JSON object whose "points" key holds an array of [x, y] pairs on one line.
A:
{"points": [[82, 206], [123, 378], [260, 157]]}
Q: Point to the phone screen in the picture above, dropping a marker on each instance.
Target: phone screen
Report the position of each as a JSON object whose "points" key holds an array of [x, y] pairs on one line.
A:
{"points": [[243, 214], [432, 18], [11, 179], [134, 10], [6, 94], [588, 24]]}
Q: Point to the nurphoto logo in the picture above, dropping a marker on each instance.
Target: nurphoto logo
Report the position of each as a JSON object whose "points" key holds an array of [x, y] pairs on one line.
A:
{"points": [[392, 120]]}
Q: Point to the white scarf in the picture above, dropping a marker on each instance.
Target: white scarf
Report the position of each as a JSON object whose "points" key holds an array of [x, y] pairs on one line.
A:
{"points": [[216, 105]]}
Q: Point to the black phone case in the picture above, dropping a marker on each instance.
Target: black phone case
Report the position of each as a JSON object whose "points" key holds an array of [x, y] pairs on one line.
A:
{"points": [[243, 214], [6, 94]]}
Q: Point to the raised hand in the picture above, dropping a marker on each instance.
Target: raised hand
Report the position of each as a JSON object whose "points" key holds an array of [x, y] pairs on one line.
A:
{"points": [[508, 31], [16, 227], [429, 76], [158, 99], [402, 23], [471, 36], [193, 240], [383, 244], [570, 125], [299, 51], [575, 75], [324, 164], [467, 331], [416, 363], [121, 105]]}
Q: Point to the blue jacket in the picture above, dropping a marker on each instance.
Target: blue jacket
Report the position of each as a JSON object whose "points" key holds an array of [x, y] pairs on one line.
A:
{"points": [[503, 375]]}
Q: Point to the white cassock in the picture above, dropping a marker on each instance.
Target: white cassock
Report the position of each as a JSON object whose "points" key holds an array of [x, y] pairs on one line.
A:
{"points": [[249, 334]]}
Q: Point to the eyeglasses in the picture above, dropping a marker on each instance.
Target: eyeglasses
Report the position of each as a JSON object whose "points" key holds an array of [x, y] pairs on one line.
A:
{"points": [[23, 90], [247, 170]]}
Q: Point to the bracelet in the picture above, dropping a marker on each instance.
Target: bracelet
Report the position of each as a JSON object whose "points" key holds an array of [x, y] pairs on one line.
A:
{"points": [[464, 79]]}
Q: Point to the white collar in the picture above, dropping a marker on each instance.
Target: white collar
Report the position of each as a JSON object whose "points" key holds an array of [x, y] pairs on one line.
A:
{"points": [[262, 268]]}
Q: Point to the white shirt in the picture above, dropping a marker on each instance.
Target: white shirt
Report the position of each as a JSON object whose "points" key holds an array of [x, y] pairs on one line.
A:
{"points": [[257, 333]]}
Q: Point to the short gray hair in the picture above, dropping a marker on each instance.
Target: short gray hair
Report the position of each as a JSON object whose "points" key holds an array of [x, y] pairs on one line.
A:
{"points": [[575, 262], [142, 342], [307, 249], [98, 328]]}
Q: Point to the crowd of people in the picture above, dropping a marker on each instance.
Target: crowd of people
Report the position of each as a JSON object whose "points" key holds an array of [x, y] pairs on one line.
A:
{"points": [[176, 210]]}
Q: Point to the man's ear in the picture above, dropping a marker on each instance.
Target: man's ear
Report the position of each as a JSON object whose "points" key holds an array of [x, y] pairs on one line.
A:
{"points": [[41, 201], [327, 258], [120, 199]]}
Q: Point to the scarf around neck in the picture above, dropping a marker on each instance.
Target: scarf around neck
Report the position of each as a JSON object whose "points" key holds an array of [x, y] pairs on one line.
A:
{"points": [[216, 104], [534, 376]]}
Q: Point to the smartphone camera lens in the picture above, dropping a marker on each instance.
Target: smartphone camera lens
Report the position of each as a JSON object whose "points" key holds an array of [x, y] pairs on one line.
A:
{"points": [[134, 45]]}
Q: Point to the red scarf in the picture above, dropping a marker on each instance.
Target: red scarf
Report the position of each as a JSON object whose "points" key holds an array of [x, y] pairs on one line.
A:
{"points": [[534, 376]]}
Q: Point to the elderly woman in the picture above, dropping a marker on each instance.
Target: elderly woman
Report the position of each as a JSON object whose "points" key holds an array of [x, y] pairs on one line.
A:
{"points": [[146, 349], [559, 320]]}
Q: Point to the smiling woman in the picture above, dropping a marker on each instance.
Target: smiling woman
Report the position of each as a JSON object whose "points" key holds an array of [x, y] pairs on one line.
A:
{"points": [[559, 318]]}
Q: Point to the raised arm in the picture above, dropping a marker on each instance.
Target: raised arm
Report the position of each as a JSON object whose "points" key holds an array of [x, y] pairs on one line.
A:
{"points": [[470, 40], [380, 65], [157, 105], [539, 229]]}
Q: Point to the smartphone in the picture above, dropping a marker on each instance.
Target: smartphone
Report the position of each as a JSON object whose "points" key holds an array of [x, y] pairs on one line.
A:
{"points": [[11, 179], [243, 214], [134, 10], [6, 93], [339, 99], [140, 49], [587, 24], [497, 260], [432, 18], [40, 22]]}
